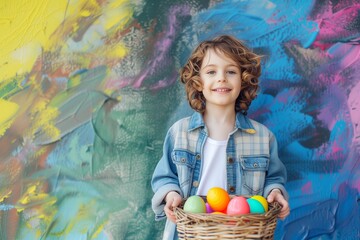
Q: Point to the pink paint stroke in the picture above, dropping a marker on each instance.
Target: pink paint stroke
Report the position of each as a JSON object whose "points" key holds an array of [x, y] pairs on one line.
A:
{"points": [[335, 27], [307, 188]]}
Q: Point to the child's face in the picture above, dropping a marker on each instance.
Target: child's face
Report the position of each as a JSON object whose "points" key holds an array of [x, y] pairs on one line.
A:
{"points": [[221, 79]]}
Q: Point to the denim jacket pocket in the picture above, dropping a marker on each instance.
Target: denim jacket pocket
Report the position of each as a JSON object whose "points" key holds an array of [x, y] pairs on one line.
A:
{"points": [[254, 172], [185, 164]]}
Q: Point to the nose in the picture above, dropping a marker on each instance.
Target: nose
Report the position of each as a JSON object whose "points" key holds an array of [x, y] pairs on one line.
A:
{"points": [[222, 77]]}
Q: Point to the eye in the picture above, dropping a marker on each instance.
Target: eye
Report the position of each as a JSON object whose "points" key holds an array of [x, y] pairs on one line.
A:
{"points": [[211, 72], [232, 72]]}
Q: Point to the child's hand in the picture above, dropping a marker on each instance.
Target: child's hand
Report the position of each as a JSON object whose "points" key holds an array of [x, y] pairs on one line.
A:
{"points": [[276, 195], [172, 199]]}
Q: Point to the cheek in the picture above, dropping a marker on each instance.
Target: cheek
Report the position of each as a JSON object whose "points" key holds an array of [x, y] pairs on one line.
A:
{"points": [[203, 84]]}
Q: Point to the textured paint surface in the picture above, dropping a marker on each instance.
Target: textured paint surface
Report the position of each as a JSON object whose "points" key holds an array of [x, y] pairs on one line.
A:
{"points": [[88, 89]]}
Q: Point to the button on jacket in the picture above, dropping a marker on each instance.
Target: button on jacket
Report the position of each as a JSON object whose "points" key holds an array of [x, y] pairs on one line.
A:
{"points": [[253, 166]]}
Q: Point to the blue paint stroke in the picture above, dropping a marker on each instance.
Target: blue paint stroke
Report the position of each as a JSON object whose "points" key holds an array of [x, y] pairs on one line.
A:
{"points": [[304, 101], [261, 24], [6, 207]]}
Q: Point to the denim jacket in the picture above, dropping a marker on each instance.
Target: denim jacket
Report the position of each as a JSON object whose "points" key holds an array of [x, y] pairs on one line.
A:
{"points": [[253, 165]]}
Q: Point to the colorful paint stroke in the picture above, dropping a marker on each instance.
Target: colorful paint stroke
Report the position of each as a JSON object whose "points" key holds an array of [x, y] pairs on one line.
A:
{"points": [[88, 89]]}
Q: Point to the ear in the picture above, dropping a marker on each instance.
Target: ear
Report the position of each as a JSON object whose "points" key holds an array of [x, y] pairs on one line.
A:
{"points": [[198, 87]]}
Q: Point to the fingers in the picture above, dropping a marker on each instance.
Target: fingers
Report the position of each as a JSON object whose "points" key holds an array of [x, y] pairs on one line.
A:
{"points": [[176, 202], [273, 195], [270, 198], [285, 210], [173, 199], [284, 213], [170, 213], [276, 195]]}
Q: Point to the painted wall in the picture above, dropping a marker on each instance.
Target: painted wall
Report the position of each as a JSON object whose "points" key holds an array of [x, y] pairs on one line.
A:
{"points": [[88, 89]]}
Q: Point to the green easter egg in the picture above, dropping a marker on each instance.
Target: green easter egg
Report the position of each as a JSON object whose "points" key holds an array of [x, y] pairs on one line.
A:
{"points": [[262, 200], [255, 206], [195, 204]]}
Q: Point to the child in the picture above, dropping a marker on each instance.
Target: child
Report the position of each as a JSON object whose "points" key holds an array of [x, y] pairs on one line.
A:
{"points": [[218, 146]]}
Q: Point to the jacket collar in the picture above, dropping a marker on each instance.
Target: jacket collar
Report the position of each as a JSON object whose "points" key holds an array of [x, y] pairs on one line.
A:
{"points": [[242, 122]]}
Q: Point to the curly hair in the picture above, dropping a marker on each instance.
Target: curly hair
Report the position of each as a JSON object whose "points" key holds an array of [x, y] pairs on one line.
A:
{"points": [[249, 64]]}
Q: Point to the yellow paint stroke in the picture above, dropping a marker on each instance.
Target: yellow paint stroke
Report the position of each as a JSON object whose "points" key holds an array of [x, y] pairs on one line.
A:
{"points": [[31, 27], [74, 81], [8, 111], [30, 191], [86, 212], [39, 152], [98, 230], [119, 51], [5, 195], [26, 28], [42, 205], [34, 196], [43, 119], [117, 14]]}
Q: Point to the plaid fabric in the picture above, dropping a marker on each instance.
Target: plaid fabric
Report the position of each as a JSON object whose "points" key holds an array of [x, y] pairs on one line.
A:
{"points": [[253, 165]]}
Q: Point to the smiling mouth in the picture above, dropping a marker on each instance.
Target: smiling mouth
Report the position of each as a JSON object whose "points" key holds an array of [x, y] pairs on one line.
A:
{"points": [[221, 90]]}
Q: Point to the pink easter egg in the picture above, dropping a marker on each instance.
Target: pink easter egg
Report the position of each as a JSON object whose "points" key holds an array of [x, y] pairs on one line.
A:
{"points": [[238, 205]]}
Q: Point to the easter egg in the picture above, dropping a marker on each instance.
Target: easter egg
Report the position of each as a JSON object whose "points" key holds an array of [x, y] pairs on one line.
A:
{"points": [[262, 200], [220, 213], [218, 199], [255, 206], [238, 205], [208, 208], [195, 204]]}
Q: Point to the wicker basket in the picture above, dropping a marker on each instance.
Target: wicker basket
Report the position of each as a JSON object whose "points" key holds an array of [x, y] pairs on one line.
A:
{"points": [[221, 226]]}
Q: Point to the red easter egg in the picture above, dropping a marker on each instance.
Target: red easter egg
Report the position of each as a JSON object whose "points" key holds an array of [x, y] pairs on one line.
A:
{"points": [[238, 205]]}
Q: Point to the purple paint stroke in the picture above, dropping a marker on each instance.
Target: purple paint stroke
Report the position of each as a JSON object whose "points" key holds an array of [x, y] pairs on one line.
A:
{"points": [[342, 57], [163, 47], [165, 82], [341, 26], [344, 54], [160, 59], [333, 78], [354, 106], [351, 167]]}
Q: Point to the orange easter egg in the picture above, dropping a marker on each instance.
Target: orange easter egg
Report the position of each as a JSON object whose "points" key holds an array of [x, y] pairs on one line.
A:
{"points": [[218, 199]]}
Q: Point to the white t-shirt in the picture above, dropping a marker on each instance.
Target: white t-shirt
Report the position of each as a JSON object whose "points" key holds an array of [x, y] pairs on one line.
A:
{"points": [[213, 173]]}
